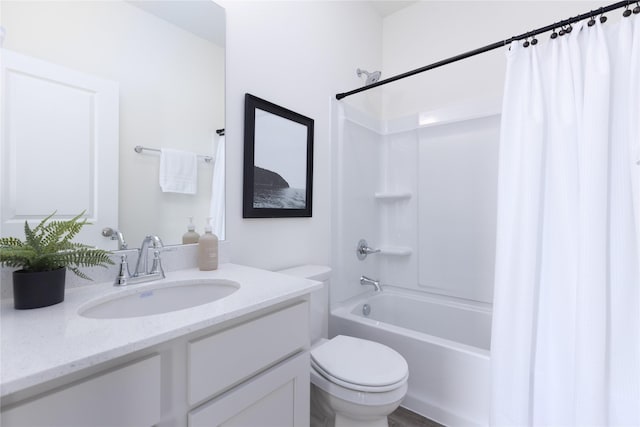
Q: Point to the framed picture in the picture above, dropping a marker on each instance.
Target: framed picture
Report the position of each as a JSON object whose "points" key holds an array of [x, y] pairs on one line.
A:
{"points": [[278, 161]]}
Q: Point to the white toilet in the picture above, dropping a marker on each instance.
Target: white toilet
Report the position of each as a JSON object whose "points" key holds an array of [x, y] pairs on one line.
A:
{"points": [[354, 382]]}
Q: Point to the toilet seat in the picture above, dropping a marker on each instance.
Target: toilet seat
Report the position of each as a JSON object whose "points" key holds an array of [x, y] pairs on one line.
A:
{"points": [[359, 365]]}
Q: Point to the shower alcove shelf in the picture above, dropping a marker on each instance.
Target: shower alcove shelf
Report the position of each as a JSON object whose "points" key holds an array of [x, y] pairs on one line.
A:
{"points": [[396, 250], [391, 197]]}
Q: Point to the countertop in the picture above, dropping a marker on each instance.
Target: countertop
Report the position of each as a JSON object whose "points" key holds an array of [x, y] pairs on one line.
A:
{"points": [[43, 344]]}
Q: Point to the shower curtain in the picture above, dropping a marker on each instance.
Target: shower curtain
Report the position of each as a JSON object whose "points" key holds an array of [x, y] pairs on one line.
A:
{"points": [[566, 328], [217, 208]]}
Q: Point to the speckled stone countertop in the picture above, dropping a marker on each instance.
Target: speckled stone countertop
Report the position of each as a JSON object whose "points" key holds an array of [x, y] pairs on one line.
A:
{"points": [[47, 343]]}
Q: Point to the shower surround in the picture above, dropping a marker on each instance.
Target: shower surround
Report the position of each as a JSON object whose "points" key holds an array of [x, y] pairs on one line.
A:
{"points": [[422, 189]]}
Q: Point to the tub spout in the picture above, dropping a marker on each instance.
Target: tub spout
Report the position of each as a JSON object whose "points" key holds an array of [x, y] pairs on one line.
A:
{"points": [[364, 280]]}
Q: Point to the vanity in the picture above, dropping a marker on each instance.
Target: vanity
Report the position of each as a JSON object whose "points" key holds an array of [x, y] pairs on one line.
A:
{"points": [[240, 359]]}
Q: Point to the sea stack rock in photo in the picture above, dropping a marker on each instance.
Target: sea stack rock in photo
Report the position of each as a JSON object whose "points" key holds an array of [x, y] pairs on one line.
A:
{"points": [[267, 178]]}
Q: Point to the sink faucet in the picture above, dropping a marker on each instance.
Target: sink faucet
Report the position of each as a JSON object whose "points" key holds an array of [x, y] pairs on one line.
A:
{"points": [[142, 259], [142, 273], [364, 280], [115, 235]]}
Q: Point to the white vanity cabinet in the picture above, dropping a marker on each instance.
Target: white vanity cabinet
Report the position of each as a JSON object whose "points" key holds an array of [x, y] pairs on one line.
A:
{"points": [[125, 396], [277, 397], [252, 370]]}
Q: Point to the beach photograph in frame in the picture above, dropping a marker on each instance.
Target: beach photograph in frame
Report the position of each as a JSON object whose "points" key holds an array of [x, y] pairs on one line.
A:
{"points": [[278, 161]]}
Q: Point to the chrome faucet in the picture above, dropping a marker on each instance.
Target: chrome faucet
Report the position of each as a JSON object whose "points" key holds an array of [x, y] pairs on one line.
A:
{"points": [[364, 280], [142, 259], [142, 273], [115, 235], [363, 250]]}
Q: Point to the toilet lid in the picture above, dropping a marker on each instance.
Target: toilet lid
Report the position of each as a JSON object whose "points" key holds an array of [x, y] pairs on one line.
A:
{"points": [[360, 362]]}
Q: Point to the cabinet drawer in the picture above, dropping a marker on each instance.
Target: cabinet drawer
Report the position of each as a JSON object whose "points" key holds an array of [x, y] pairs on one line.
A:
{"points": [[127, 396], [226, 358], [278, 397]]}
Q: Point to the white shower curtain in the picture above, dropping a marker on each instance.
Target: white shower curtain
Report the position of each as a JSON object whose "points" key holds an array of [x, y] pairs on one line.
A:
{"points": [[566, 328]]}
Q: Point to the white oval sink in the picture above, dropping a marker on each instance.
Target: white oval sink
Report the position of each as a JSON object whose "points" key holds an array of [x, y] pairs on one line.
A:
{"points": [[159, 298]]}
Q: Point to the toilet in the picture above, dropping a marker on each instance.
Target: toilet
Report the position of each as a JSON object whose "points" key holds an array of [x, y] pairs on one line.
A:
{"points": [[354, 382]]}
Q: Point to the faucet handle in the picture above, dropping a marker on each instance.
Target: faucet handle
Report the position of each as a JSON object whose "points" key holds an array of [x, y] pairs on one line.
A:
{"points": [[363, 250], [156, 267], [123, 272]]}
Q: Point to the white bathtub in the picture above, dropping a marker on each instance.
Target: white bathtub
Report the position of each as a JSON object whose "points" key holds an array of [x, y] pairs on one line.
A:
{"points": [[445, 342]]}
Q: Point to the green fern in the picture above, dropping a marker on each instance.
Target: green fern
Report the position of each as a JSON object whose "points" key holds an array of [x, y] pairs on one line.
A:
{"points": [[49, 246]]}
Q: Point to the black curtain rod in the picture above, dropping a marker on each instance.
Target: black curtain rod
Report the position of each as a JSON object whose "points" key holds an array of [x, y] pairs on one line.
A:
{"points": [[492, 46]]}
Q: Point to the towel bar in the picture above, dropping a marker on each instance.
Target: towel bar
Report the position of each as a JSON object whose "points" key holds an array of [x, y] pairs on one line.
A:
{"points": [[140, 148]]}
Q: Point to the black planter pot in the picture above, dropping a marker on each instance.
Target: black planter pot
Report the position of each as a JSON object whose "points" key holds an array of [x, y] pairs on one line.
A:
{"points": [[38, 289]]}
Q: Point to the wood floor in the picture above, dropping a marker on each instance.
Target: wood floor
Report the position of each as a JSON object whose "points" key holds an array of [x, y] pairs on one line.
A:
{"points": [[402, 417]]}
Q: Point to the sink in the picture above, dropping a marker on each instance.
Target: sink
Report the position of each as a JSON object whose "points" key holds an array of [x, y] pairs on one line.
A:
{"points": [[159, 298]]}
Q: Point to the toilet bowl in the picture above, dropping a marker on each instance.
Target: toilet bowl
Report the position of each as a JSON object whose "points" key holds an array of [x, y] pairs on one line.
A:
{"points": [[354, 382]]}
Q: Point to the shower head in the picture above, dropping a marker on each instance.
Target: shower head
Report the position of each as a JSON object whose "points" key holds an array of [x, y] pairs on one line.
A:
{"points": [[371, 77]]}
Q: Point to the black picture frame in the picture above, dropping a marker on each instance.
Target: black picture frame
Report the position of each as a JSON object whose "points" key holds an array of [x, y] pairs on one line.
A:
{"points": [[278, 161]]}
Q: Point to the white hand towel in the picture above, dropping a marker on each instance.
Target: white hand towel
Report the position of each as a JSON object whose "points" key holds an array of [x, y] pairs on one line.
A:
{"points": [[178, 171]]}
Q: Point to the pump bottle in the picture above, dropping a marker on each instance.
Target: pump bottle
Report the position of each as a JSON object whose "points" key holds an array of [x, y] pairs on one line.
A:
{"points": [[208, 249], [190, 236]]}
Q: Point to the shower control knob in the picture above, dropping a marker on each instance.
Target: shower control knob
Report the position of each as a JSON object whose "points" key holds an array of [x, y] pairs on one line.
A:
{"points": [[363, 250]]}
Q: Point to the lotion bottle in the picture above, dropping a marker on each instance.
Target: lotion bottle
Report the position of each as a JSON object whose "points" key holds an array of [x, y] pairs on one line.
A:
{"points": [[190, 236], [208, 249]]}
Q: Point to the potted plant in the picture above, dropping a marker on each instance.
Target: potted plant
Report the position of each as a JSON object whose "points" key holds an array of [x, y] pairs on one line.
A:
{"points": [[44, 257]]}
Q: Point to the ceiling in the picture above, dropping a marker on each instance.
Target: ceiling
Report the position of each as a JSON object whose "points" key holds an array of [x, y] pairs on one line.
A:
{"points": [[203, 18], [196, 16], [386, 8]]}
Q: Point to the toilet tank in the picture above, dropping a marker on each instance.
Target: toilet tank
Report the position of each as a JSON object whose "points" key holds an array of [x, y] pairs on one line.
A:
{"points": [[319, 300]]}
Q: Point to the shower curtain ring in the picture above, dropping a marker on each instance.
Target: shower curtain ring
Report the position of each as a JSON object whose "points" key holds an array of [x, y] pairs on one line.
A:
{"points": [[592, 21], [554, 35], [636, 10], [603, 18], [627, 11]]}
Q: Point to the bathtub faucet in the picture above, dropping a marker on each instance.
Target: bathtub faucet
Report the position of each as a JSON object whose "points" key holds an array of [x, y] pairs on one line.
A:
{"points": [[364, 280]]}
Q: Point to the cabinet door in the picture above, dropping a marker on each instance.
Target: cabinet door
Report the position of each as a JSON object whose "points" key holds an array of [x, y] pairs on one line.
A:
{"points": [[126, 396], [278, 397]]}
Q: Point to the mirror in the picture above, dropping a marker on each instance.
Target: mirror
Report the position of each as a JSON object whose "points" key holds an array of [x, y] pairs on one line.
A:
{"points": [[168, 60]]}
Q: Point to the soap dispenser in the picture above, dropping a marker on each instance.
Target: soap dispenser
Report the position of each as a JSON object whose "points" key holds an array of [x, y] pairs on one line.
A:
{"points": [[208, 249], [190, 236]]}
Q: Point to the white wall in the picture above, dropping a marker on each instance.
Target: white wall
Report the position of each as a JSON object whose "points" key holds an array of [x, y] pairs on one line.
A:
{"points": [[429, 31], [171, 95], [356, 171], [297, 55], [457, 186]]}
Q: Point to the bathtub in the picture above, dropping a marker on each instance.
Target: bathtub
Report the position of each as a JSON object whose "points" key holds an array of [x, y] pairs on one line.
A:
{"points": [[445, 342]]}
